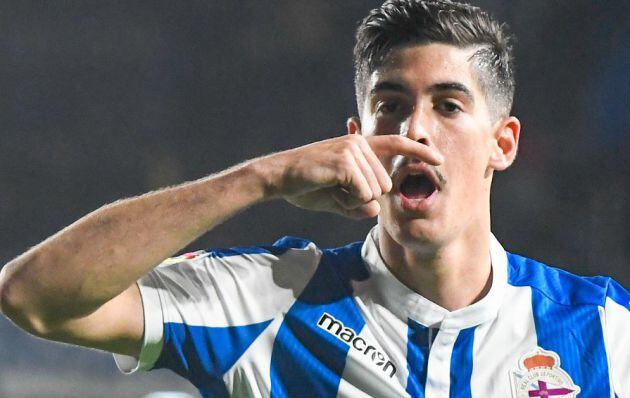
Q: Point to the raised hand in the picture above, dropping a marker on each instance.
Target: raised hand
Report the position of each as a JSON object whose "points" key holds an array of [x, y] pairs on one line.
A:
{"points": [[344, 175]]}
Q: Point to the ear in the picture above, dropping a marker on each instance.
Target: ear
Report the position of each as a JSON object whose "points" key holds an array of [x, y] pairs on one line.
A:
{"points": [[505, 143], [353, 125]]}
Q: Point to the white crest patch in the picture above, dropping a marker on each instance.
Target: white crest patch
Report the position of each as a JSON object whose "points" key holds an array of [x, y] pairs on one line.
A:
{"points": [[539, 375]]}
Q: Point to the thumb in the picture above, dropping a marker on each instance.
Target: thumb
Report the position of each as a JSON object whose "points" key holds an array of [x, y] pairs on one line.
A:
{"points": [[369, 210]]}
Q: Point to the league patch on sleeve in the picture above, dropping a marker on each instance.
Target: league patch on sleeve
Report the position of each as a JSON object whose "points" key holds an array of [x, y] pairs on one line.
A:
{"points": [[185, 257], [540, 375]]}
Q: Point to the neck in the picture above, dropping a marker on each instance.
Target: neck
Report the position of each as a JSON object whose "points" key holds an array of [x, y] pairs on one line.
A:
{"points": [[453, 275]]}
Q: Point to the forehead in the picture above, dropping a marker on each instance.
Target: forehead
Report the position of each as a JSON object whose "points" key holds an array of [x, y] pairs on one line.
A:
{"points": [[419, 66]]}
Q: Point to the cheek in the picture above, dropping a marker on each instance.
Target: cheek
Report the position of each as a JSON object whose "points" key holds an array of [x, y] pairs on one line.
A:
{"points": [[384, 126], [466, 157]]}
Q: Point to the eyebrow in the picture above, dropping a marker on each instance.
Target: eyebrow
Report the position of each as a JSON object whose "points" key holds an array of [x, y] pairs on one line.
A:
{"points": [[452, 86], [389, 86], [435, 88]]}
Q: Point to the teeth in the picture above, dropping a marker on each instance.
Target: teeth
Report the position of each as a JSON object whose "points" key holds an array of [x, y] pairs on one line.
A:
{"points": [[416, 173]]}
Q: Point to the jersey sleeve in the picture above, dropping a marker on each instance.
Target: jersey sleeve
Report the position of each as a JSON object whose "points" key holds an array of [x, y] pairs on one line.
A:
{"points": [[617, 327], [203, 310]]}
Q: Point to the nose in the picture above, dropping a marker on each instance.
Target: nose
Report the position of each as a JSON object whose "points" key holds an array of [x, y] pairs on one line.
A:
{"points": [[417, 125]]}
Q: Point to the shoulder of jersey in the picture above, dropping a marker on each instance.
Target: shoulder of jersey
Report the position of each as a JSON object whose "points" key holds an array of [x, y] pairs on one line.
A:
{"points": [[563, 286], [186, 257], [280, 247]]}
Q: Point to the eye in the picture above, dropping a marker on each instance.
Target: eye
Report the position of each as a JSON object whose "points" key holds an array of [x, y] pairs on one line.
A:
{"points": [[448, 107], [387, 107]]}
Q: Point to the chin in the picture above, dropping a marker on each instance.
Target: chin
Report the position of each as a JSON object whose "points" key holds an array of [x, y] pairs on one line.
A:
{"points": [[419, 233]]}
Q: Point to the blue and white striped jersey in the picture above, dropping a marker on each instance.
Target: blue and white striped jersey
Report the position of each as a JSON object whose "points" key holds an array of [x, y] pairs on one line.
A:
{"points": [[293, 320]]}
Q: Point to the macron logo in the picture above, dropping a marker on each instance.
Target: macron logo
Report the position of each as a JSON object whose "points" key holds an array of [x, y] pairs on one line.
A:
{"points": [[349, 336]]}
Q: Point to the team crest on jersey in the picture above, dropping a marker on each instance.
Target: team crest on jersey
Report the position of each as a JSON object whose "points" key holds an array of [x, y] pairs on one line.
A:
{"points": [[540, 375]]}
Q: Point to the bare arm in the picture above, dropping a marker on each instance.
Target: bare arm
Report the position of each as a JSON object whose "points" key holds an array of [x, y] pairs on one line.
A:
{"points": [[78, 286], [64, 282]]}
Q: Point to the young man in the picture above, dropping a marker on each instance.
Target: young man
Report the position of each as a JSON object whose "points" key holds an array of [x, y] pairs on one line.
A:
{"points": [[430, 305]]}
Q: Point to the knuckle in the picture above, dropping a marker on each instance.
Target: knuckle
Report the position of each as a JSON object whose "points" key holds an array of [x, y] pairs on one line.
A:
{"points": [[355, 141], [343, 177], [356, 150], [397, 139], [375, 187], [345, 164], [364, 196], [355, 138], [348, 155], [387, 185]]}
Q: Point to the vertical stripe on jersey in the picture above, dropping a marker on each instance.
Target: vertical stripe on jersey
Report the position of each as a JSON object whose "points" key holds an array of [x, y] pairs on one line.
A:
{"points": [[417, 358], [462, 364], [566, 316], [575, 334], [307, 360], [203, 354]]}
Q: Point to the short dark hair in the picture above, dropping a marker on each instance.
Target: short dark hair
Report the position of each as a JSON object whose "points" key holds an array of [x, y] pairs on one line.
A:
{"points": [[406, 22]]}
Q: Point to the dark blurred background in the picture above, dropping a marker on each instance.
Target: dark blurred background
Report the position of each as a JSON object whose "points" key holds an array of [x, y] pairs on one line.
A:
{"points": [[103, 100]]}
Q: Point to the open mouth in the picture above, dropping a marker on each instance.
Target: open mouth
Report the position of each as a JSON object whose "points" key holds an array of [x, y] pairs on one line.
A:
{"points": [[417, 186]]}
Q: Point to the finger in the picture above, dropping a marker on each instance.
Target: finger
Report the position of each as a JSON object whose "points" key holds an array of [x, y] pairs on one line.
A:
{"points": [[356, 183], [391, 145], [321, 200], [383, 178], [367, 210], [345, 199], [367, 171], [329, 202]]}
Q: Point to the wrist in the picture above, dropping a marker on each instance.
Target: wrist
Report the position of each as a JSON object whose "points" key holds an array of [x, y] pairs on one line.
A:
{"points": [[268, 174]]}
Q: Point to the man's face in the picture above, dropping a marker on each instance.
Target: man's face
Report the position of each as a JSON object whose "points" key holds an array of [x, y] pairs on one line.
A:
{"points": [[430, 94]]}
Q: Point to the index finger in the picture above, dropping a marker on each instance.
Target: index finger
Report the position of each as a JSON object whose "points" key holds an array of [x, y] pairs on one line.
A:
{"points": [[392, 145]]}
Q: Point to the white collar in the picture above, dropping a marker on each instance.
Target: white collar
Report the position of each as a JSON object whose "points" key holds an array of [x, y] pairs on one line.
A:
{"points": [[405, 303]]}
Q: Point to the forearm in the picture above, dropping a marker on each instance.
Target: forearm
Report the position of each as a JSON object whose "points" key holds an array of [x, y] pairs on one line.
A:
{"points": [[75, 271]]}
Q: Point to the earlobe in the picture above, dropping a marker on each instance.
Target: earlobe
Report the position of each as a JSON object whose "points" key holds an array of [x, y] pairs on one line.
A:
{"points": [[353, 125], [505, 143]]}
